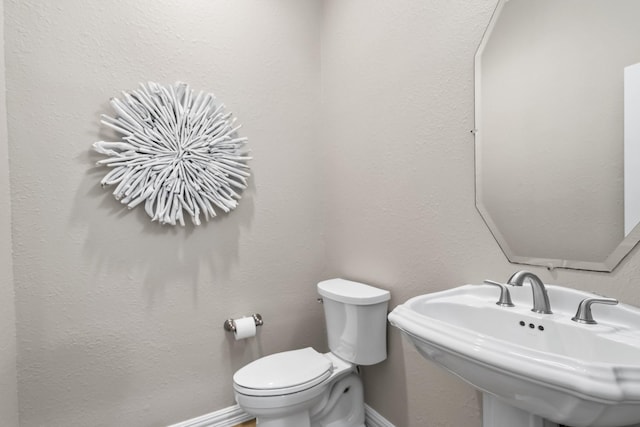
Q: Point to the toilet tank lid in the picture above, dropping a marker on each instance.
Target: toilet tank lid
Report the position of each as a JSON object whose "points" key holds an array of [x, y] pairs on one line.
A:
{"points": [[349, 292]]}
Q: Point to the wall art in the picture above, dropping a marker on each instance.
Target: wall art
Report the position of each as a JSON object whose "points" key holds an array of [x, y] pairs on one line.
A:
{"points": [[180, 153]]}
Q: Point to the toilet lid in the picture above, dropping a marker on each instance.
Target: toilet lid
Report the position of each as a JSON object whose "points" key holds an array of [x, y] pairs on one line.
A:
{"points": [[283, 373]]}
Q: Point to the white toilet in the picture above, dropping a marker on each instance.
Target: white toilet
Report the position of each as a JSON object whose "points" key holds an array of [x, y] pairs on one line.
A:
{"points": [[304, 388]]}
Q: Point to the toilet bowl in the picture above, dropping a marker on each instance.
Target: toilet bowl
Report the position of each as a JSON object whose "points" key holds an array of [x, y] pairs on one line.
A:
{"points": [[306, 388], [298, 388]]}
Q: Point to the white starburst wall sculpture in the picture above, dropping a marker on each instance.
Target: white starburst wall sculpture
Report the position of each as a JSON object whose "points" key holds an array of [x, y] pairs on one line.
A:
{"points": [[180, 153]]}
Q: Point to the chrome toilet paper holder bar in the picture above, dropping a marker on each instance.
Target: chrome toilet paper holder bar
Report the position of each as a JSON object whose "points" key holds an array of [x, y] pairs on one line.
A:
{"points": [[230, 324]]}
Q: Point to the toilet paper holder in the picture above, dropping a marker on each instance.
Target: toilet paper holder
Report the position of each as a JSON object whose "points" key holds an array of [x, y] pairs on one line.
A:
{"points": [[230, 324]]}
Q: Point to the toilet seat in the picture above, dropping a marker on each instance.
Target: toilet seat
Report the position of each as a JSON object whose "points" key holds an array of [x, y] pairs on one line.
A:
{"points": [[283, 373]]}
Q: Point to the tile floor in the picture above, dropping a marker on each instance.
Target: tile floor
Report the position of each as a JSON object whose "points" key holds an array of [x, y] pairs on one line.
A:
{"points": [[251, 423]]}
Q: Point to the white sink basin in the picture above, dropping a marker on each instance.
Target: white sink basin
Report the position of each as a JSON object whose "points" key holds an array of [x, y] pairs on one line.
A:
{"points": [[545, 364]]}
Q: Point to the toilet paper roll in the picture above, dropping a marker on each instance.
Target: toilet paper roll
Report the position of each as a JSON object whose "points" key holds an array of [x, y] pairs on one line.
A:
{"points": [[245, 328]]}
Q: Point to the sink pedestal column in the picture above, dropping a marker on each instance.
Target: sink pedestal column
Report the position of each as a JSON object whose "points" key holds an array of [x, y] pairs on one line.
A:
{"points": [[496, 413]]}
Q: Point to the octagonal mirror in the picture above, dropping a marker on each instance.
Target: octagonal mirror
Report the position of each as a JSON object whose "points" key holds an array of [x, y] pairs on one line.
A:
{"points": [[558, 131]]}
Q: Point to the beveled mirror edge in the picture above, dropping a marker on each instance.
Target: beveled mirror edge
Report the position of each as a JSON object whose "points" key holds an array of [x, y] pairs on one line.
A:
{"points": [[607, 266]]}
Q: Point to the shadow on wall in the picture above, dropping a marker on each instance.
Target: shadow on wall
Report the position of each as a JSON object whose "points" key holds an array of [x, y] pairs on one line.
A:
{"points": [[164, 255]]}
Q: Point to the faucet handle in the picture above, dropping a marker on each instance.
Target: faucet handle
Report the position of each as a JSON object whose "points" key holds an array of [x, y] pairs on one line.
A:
{"points": [[583, 315], [505, 296]]}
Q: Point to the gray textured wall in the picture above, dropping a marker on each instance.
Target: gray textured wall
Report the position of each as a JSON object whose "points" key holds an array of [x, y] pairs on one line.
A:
{"points": [[398, 84], [119, 319], [8, 387]]}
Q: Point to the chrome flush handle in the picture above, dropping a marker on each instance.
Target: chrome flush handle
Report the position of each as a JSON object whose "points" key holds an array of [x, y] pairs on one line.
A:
{"points": [[505, 296], [583, 315]]}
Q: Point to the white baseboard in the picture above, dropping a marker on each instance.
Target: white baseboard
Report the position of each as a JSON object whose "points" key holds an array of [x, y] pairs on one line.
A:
{"points": [[233, 415], [227, 417], [374, 419]]}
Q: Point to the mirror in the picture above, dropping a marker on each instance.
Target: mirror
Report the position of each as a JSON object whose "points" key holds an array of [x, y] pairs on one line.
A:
{"points": [[557, 133]]}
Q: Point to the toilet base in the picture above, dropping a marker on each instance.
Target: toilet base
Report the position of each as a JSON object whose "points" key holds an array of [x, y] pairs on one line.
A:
{"points": [[344, 406], [301, 419], [340, 405]]}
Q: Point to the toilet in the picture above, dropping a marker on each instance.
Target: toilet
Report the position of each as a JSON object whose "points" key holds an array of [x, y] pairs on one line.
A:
{"points": [[306, 388]]}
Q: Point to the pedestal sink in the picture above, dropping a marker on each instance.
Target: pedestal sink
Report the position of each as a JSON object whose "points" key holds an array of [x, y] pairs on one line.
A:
{"points": [[535, 370]]}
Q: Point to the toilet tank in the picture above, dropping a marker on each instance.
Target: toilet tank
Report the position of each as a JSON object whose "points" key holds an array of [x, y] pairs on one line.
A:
{"points": [[356, 318]]}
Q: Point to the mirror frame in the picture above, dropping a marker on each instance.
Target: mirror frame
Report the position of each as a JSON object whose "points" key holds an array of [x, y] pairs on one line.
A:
{"points": [[608, 265]]}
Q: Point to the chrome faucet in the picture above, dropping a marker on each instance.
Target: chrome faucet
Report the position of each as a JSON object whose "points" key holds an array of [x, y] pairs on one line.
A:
{"points": [[583, 315], [540, 297]]}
